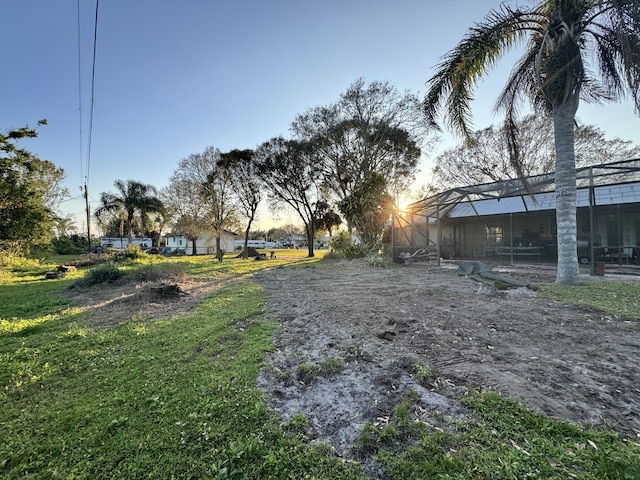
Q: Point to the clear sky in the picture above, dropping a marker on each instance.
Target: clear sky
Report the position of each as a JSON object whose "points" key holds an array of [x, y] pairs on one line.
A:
{"points": [[173, 77]]}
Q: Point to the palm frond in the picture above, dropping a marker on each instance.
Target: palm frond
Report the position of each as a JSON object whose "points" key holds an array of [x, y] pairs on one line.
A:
{"points": [[460, 70]]}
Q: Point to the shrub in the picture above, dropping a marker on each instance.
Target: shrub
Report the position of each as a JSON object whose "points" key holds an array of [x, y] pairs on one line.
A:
{"points": [[133, 252], [355, 250], [375, 259], [70, 245], [14, 262], [343, 244], [105, 273], [340, 241]]}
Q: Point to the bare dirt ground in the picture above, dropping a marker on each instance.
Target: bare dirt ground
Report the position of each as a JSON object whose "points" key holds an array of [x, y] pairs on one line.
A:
{"points": [[364, 329]]}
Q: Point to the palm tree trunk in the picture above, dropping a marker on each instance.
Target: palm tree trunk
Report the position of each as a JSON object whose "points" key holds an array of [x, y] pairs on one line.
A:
{"points": [[129, 222], [563, 123]]}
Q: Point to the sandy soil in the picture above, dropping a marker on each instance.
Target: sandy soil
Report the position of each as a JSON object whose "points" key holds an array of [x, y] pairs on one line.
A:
{"points": [[364, 329]]}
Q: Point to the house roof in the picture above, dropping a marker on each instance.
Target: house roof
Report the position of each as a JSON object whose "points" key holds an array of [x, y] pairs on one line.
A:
{"points": [[612, 184]]}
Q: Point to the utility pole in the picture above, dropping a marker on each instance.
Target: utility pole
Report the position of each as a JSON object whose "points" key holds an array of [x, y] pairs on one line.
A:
{"points": [[86, 201]]}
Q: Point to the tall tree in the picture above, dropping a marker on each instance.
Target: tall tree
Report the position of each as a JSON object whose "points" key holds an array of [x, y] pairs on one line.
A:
{"points": [[246, 185], [575, 49], [64, 226], [371, 128], [486, 157], [369, 207], [132, 199], [290, 171], [26, 203], [201, 196], [184, 197], [220, 199]]}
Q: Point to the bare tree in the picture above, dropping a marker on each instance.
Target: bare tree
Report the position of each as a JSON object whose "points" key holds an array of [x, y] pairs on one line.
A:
{"points": [[201, 196], [246, 185], [485, 158]]}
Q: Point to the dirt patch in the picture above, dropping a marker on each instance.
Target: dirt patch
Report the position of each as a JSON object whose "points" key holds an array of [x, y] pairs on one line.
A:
{"points": [[140, 297], [377, 326]]}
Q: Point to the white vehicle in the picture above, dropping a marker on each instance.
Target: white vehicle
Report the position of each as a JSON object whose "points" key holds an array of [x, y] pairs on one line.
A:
{"points": [[255, 244], [121, 243]]}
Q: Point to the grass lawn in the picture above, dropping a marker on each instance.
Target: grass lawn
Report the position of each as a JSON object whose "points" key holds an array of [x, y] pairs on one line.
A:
{"points": [[176, 398], [612, 297]]}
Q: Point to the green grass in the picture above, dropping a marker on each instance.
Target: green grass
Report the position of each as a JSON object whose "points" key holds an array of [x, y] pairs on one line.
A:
{"points": [[148, 399], [500, 440], [307, 373], [177, 398], [612, 297]]}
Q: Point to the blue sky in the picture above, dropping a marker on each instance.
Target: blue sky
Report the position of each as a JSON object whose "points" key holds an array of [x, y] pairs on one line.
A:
{"points": [[176, 76]]}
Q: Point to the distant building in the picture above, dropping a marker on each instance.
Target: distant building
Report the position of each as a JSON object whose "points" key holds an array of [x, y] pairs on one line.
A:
{"points": [[205, 244]]}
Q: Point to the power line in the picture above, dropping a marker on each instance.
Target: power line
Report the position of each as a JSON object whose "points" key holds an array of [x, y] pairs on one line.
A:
{"points": [[80, 95], [93, 87]]}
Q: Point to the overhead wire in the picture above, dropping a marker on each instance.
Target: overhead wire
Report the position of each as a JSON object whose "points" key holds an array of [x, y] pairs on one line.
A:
{"points": [[80, 96], [93, 87], [91, 109]]}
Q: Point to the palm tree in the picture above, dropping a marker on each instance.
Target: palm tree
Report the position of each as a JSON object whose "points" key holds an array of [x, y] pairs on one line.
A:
{"points": [[132, 198], [64, 225], [575, 49]]}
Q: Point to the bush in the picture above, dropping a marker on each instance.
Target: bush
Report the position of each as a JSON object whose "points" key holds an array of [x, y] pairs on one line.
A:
{"points": [[133, 252], [70, 245], [11, 261], [375, 259], [105, 273], [356, 250], [340, 241], [343, 244]]}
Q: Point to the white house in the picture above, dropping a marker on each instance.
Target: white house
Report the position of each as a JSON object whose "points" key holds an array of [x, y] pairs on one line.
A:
{"points": [[205, 244]]}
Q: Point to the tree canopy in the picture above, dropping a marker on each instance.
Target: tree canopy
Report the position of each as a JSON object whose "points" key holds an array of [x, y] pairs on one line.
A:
{"points": [[246, 185], [133, 201], [201, 195], [291, 173], [371, 128], [30, 189], [368, 207]]}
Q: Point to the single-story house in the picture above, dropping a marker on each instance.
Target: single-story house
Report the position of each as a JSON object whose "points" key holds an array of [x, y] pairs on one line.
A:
{"points": [[506, 221], [205, 243]]}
